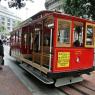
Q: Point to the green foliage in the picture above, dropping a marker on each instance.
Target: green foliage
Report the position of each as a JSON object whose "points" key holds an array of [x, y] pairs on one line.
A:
{"points": [[81, 8], [2, 28], [92, 9], [17, 23], [17, 3], [75, 7]]}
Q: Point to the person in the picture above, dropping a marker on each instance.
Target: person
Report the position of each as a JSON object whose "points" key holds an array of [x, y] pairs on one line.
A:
{"points": [[1, 54], [76, 43], [36, 43]]}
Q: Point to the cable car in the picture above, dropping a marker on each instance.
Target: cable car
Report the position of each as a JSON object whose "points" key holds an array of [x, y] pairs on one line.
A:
{"points": [[54, 47]]}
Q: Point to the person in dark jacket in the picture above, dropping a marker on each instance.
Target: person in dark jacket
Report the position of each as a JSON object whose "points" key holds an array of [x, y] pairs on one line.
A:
{"points": [[1, 49], [1, 54]]}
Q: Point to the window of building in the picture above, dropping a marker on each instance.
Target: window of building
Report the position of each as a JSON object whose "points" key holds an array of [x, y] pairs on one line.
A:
{"points": [[8, 28], [8, 24], [13, 22], [3, 18], [8, 20], [3, 23]]}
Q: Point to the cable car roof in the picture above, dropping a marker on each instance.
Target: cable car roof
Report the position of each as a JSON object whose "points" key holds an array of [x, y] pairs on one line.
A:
{"points": [[44, 13]]}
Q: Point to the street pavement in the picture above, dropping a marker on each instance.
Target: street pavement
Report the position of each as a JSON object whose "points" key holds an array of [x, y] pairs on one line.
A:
{"points": [[10, 84], [35, 86]]}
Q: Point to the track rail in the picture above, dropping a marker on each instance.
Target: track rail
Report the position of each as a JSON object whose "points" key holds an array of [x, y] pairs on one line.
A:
{"points": [[86, 87]]}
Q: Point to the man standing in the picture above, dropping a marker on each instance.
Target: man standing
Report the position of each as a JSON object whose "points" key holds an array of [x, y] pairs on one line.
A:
{"points": [[1, 54]]}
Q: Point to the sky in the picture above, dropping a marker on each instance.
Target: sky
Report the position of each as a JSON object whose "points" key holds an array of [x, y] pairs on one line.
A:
{"points": [[27, 11]]}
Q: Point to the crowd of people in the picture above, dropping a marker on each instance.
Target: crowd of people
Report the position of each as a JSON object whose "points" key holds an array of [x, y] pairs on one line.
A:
{"points": [[6, 41]]}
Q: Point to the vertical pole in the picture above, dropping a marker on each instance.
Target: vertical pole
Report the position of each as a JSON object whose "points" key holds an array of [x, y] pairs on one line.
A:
{"points": [[50, 50], [39, 39], [41, 34], [33, 42], [72, 33], [84, 32]]}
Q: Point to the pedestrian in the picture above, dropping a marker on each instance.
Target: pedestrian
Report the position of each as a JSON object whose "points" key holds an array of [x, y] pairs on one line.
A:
{"points": [[1, 54]]}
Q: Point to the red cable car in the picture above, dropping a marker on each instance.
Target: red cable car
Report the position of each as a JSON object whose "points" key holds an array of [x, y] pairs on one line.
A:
{"points": [[54, 47]]}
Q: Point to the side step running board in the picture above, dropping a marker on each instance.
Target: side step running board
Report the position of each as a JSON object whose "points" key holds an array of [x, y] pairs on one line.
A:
{"points": [[37, 74]]}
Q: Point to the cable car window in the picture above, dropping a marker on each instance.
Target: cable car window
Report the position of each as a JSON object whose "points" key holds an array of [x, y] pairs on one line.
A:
{"points": [[46, 38], [13, 39], [47, 33], [16, 37], [64, 28], [37, 41], [31, 46], [89, 35], [20, 34], [25, 38], [78, 34]]}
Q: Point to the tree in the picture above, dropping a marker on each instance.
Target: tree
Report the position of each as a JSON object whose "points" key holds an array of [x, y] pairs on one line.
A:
{"points": [[17, 23], [81, 8], [2, 28], [17, 3], [92, 9]]}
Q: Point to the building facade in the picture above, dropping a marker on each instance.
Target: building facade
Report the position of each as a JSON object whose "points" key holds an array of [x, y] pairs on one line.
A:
{"points": [[54, 5], [7, 20]]}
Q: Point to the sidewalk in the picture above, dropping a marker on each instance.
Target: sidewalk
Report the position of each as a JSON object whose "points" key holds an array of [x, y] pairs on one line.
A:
{"points": [[10, 84]]}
